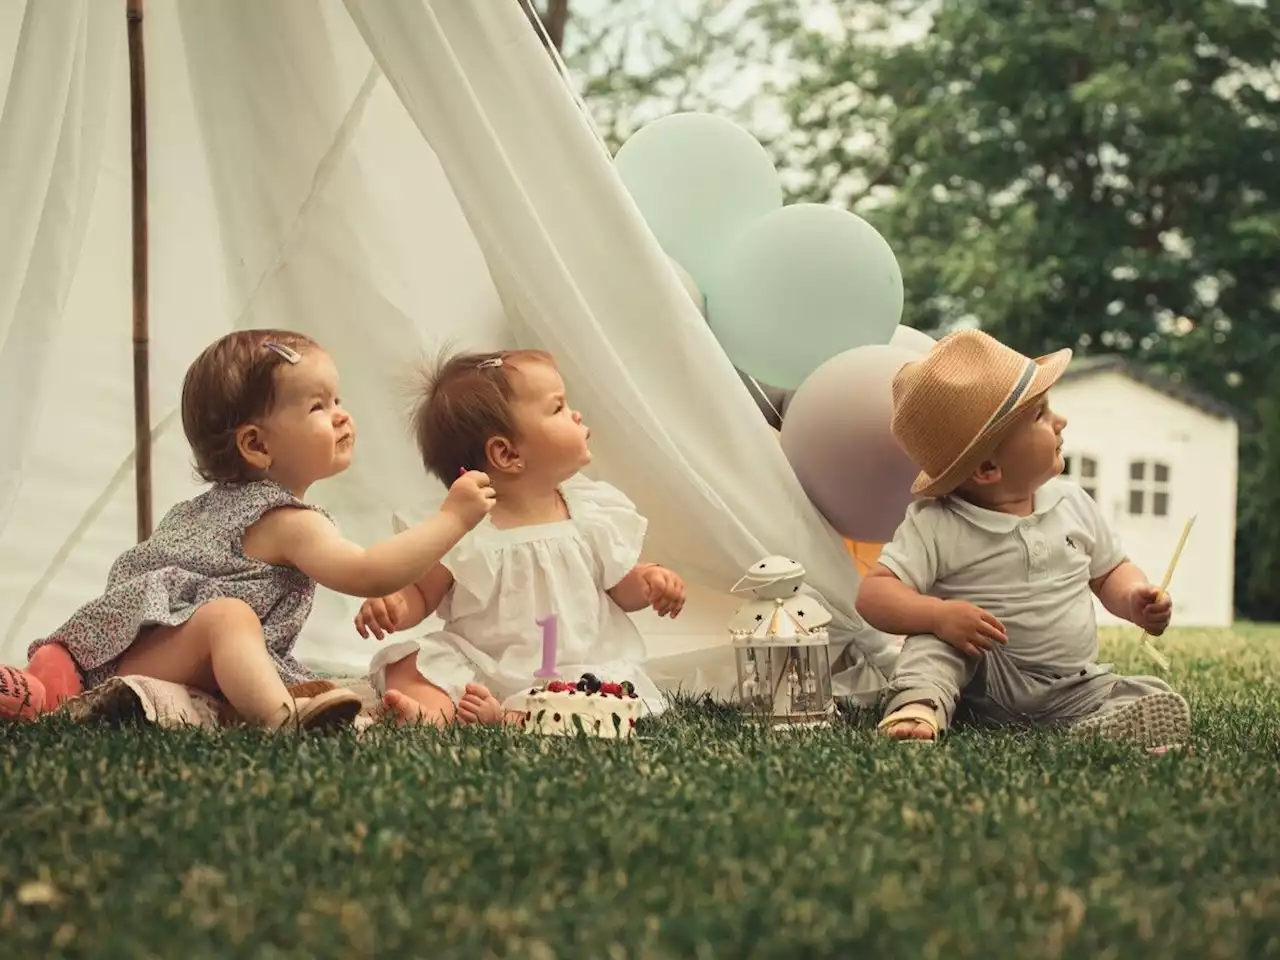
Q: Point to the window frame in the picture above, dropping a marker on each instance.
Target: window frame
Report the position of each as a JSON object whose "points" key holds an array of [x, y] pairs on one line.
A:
{"points": [[1078, 459], [1145, 488]]}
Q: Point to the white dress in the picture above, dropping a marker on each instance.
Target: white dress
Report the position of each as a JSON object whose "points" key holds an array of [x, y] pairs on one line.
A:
{"points": [[506, 580]]}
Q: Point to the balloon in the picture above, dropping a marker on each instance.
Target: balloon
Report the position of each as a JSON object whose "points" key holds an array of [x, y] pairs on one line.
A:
{"points": [[836, 436], [698, 180], [771, 401], [909, 338], [799, 286]]}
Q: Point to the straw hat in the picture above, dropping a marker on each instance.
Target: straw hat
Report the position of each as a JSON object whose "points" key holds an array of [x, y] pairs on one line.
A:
{"points": [[951, 407]]}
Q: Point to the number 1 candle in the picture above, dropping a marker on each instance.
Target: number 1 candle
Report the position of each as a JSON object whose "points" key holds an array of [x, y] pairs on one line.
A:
{"points": [[548, 625]]}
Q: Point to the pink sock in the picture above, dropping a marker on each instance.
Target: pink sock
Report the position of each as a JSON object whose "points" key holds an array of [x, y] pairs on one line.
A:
{"points": [[54, 667], [22, 696]]}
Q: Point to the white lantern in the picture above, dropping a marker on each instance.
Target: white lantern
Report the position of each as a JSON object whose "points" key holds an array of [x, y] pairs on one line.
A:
{"points": [[781, 646]]}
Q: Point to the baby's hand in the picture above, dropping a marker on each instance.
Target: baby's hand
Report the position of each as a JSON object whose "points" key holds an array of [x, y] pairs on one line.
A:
{"points": [[381, 615], [1150, 609], [968, 628], [470, 498], [664, 590]]}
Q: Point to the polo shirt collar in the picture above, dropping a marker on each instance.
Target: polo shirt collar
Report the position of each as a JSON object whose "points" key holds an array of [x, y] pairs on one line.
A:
{"points": [[993, 521]]}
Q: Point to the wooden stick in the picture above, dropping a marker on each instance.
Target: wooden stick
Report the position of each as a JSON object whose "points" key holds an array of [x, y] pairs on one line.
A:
{"points": [[141, 322], [1147, 645]]}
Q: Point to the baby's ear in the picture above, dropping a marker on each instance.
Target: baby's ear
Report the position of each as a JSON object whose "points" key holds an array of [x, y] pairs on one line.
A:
{"points": [[503, 455], [988, 472], [252, 446]]}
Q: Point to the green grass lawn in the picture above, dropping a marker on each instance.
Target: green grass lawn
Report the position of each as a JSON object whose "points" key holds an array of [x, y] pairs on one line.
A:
{"points": [[711, 839]]}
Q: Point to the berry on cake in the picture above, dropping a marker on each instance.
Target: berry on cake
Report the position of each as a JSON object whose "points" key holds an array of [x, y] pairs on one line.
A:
{"points": [[591, 707]]}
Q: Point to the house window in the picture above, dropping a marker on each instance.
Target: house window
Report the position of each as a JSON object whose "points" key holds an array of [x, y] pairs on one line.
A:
{"points": [[1148, 488], [1084, 471]]}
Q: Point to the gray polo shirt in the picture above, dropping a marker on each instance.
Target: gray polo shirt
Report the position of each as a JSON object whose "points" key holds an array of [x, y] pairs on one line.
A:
{"points": [[1032, 573]]}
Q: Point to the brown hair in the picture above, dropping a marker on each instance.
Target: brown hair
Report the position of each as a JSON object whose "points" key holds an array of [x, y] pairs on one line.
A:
{"points": [[231, 383], [464, 401]]}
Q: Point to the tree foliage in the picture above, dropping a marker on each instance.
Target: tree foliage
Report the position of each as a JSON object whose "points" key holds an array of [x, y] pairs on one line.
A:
{"points": [[633, 62]]}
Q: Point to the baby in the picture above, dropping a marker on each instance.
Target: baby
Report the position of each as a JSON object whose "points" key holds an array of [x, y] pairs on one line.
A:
{"points": [[555, 543], [215, 598], [992, 574]]}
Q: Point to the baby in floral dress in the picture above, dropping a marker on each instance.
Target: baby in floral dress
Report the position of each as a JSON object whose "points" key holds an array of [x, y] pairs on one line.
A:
{"points": [[216, 597]]}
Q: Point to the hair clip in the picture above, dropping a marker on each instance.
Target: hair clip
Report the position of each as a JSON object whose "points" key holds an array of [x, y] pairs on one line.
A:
{"points": [[288, 353], [489, 364]]}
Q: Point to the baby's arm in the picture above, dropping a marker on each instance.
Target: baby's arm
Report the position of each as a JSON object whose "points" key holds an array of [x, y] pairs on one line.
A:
{"points": [[631, 593], [615, 531], [891, 606], [649, 584], [310, 542], [405, 608], [894, 595], [1114, 588], [1126, 593], [1117, 581]]}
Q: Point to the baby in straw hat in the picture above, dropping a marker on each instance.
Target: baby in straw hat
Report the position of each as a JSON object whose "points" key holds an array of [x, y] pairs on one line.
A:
{"points": [[992, 574]]}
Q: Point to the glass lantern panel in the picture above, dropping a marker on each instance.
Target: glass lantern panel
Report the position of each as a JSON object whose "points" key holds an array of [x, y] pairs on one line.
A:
{"points": [[786, 682]]}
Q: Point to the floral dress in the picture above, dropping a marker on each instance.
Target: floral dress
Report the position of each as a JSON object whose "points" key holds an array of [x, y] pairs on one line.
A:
{"points": [[195, 555]]}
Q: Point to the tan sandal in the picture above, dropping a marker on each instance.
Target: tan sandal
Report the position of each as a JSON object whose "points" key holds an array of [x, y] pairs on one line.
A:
{"points": [[325, 711], [917, 713], [329, 710], [229, 716]]}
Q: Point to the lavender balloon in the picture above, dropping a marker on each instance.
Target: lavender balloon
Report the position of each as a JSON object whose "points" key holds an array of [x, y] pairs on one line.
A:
{"points": [[909, 338], [836, 436]]}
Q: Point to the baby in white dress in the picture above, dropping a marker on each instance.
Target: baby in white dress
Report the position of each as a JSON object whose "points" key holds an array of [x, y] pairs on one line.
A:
{"points": [[555, 543]]}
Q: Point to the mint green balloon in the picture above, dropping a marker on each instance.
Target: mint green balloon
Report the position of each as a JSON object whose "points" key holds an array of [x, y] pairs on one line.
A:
{"points": [[698, 180], [798, 287]]}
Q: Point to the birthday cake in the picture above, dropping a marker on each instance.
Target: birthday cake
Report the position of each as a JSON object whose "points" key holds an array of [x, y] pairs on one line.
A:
{"points": [[590, 707]]}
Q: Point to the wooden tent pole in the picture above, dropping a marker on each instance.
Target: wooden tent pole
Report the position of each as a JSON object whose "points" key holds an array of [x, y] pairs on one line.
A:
{"points": [[141, 322]]}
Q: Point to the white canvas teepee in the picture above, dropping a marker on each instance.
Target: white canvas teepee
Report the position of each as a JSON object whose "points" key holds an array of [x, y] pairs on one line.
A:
{"points": [[387, 176]]}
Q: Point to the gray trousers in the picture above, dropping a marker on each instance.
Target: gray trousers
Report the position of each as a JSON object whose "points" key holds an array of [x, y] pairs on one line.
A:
{"points": [[1001, 692]]}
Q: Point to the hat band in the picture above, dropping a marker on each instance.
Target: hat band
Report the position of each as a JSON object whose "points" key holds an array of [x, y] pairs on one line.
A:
{"points": [[1015, 397]]}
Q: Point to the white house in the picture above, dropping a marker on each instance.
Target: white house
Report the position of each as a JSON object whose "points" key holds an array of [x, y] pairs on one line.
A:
{"points": [[1153, 452]]}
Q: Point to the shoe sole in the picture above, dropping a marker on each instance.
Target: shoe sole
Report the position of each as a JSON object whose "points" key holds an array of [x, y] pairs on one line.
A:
{"points": [[330, 710], [1154, 721], [19, 702]]}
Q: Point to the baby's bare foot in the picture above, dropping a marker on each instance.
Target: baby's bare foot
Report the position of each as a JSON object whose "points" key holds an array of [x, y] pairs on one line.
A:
{"points": [[401, 710], [478, 705]]}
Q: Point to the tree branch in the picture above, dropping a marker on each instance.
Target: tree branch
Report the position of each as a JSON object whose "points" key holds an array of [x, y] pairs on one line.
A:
{"points": [[554, 17]]}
